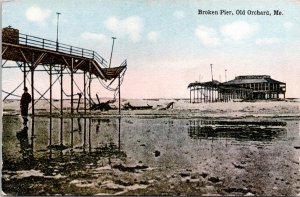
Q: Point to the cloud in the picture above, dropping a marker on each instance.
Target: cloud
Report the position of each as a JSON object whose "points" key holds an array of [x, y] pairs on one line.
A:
{"points": [[6, 1], [239, 30], [37, 14], [153, 36], [267, 41], [207, 35], [179, 14], [93, 36], [131, 27], [288, 25]]}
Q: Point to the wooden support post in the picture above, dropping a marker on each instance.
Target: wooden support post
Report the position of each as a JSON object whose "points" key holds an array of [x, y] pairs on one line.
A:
{"points": [[269, 88], [84, 120], [119, 133], [208, 94], [61, 105], [72, 102], [50, 121], [84, 91], [90, 141], [32, 100], [84, 134], [119, 94], [197, 94], [212, 94], [190, 94], [24, 74], [205, 94], [194, 95], [201, 94], [90, 85], [209, 99]]}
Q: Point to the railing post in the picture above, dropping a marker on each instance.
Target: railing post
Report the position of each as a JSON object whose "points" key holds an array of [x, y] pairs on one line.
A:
{"points": [[82, 52], [26, 39], [71, 50], [93, 54], [43, 43]]}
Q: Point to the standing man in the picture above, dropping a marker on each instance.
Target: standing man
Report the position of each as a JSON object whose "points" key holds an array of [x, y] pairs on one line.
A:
{"points": [[25, 100]]}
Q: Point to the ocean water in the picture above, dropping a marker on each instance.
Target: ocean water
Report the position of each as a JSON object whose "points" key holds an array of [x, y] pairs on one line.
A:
{"points": [[151, 156]]}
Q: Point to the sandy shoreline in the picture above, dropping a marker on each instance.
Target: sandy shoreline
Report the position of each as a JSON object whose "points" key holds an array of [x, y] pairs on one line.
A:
{"points": [[181, 109]]}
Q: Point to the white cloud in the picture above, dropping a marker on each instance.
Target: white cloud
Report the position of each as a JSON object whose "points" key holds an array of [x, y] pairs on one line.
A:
{"points": [[179, 14], [288, 25], [6, 1], [131, 27], [207, 35], [37, 14], [93, 36], [267, 41], [239, 30], [153, 36]]}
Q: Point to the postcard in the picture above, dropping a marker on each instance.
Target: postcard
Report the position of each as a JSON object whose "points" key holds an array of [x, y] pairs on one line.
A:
{"points": [[140, 97]]}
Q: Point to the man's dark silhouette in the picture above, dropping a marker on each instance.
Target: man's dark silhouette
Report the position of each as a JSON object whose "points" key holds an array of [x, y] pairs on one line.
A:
{"points": [[26, 148], [25, 100]]}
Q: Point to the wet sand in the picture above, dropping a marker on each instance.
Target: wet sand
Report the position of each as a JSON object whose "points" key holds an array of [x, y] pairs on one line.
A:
{"points": [[236, 148]]}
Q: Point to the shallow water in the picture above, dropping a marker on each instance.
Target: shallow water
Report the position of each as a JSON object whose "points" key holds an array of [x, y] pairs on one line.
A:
{"points": [[162, 156]]}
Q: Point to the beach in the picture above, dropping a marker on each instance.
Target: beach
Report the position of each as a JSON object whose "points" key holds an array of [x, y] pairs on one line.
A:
{"points": [[235, 148]]}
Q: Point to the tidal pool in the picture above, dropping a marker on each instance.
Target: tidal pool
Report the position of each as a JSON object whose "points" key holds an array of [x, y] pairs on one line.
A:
{"points": [[145, 156]]}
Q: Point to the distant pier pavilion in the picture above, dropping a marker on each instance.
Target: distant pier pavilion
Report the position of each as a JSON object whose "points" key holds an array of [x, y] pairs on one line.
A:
{"points": [[242, 87]]}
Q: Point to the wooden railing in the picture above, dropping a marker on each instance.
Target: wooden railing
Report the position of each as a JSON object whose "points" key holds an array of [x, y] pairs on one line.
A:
{"points": [[60, 47]]}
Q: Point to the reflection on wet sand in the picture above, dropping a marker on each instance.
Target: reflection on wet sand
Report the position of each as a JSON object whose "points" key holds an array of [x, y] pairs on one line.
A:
{"points": [[87, 135], [150, 157], [26, 147], [238, 130], [76, 145]]}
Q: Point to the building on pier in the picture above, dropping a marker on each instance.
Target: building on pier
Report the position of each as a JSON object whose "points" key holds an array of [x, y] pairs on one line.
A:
{"points": [[242, 87], [263, 86]]}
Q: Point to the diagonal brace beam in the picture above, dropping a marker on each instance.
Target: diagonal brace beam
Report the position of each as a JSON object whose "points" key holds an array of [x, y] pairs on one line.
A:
{"points": [[34, 65]]}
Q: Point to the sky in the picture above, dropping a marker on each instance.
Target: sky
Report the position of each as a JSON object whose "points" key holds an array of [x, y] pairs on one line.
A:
{"points": [[167, 44]]}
